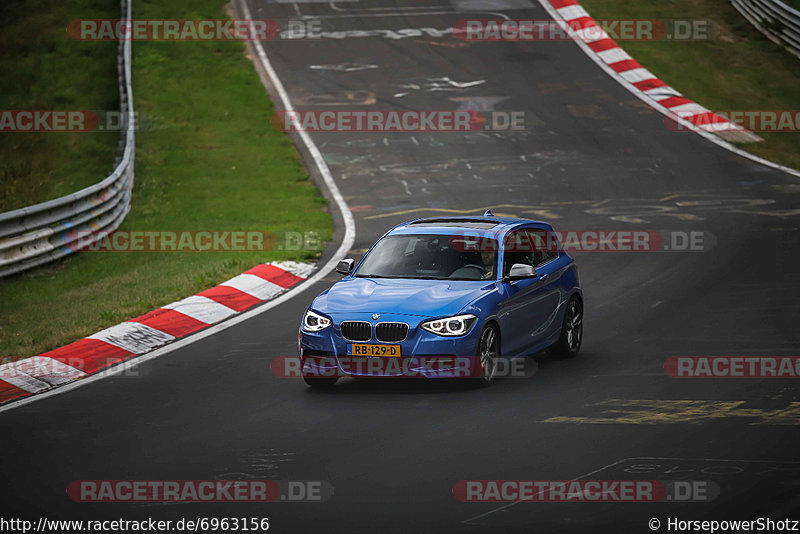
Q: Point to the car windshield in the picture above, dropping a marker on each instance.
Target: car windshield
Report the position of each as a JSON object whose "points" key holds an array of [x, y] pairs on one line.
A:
{"points": [[437, 257]]}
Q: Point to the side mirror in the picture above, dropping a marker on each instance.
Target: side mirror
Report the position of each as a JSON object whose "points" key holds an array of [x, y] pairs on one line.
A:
{"points": [[345, 266], [520, 271]]}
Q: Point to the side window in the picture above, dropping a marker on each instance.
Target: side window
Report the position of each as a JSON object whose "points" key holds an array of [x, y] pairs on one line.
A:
{"points": [[518, 249], [545, 245]]}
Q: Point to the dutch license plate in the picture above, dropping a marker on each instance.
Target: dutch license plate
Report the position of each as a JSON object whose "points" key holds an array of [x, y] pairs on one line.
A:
{"points": [[369, 349]]}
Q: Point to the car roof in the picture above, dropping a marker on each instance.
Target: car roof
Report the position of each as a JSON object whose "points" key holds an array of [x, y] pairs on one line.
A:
{"points": [[470, 223]]}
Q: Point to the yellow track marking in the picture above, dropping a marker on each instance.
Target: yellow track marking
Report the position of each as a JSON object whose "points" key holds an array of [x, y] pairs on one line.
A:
{"points": [[652, 412]]}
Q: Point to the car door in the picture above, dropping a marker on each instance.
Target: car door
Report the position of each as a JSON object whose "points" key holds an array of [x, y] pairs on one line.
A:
{"points": [[527, 303], [549, 269]]}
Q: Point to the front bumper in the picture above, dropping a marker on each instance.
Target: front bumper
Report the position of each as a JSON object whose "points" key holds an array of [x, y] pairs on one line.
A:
{"points": [[422, 353]]}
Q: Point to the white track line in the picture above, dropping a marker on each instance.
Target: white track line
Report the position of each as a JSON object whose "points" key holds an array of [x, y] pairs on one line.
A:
{"points": [[645, 98], [347, 243], [581, 477], [347, 216], [509, 505]]}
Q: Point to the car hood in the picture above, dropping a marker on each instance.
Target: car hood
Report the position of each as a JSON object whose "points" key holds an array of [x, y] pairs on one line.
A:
{"points": [[430, 298]]}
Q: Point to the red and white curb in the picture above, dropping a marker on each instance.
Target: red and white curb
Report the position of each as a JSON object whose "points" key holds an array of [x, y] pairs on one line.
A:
{"points": [[140, 335], [194, 314], [684, 111]]}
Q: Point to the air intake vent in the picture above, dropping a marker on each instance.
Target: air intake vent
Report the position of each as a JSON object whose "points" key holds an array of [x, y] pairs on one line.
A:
{"points": [[391, 331], [356, 330]]}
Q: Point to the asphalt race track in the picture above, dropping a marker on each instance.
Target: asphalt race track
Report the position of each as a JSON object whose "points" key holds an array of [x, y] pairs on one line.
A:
{"points": [[593, 157]]}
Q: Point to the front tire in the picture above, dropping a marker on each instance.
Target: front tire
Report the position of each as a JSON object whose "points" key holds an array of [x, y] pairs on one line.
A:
{"points": [[569, 344]]}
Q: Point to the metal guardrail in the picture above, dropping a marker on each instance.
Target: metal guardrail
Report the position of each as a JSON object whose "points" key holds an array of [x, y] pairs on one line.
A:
{"points": [[38, 234], [776, 20]]}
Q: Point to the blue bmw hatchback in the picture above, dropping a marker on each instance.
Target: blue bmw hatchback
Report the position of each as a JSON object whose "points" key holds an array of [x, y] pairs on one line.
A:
{"points": [[432, 294]]}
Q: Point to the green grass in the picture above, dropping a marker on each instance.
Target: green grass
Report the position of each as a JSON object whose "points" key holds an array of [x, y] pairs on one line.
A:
{"points": [[41, 68], [210, 160], [739, 69]]}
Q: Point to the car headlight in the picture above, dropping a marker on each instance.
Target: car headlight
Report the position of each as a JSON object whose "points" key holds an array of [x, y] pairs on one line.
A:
{"points": [[450, 326], [314, 322]]}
